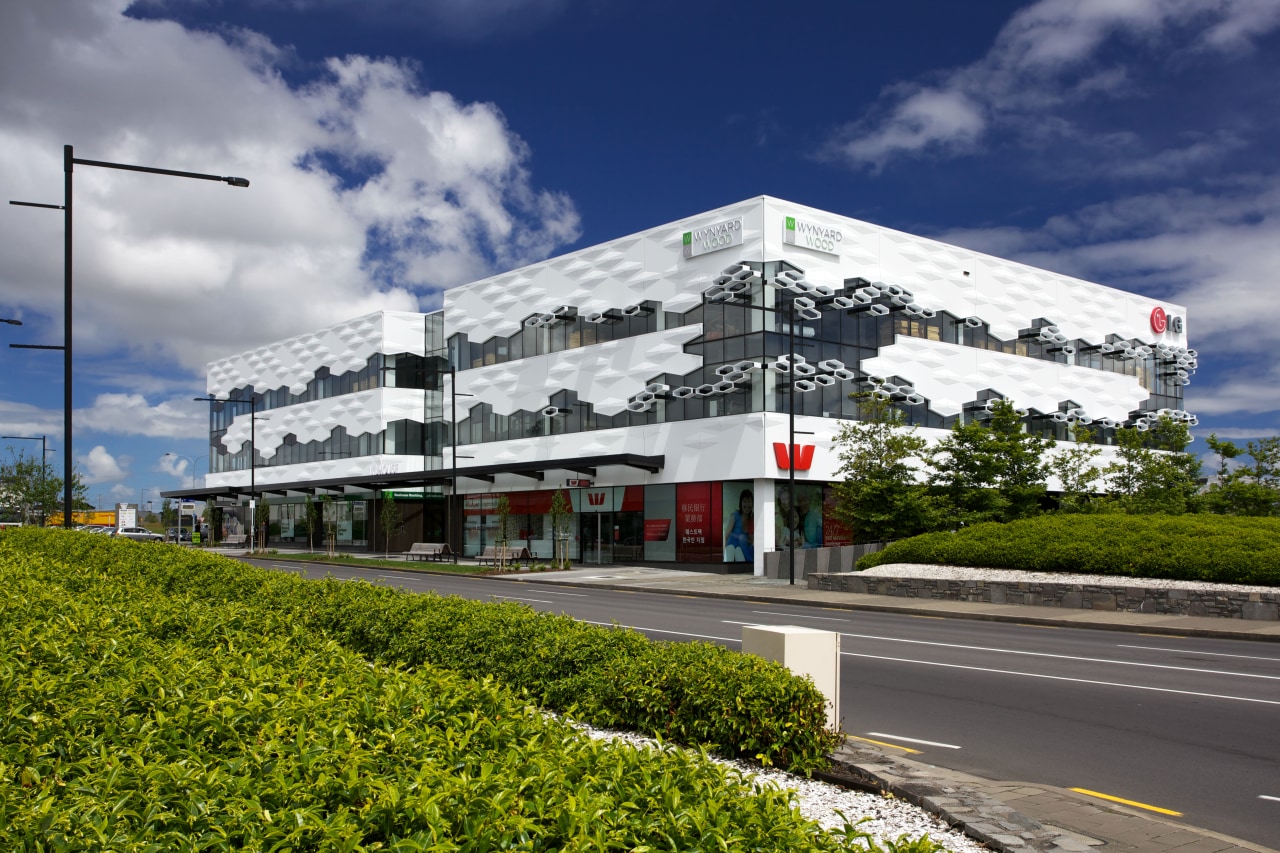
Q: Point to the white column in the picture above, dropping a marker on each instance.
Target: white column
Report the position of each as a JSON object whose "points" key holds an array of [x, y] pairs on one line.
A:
{"points": [[765, 511]]}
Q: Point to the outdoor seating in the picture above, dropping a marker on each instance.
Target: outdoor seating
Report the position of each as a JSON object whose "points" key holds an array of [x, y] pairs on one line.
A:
{"points": [[492, 554], [438, 551], [234, 540]]}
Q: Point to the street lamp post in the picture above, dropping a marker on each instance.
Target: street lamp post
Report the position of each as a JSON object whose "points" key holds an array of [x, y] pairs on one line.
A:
{"points": [[44, 476], [10, 322], [253, 461], [69, 162]]}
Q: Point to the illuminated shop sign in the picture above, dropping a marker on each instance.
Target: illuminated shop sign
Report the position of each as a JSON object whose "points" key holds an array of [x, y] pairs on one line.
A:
{"points": [[812, 235], [713, 238]]}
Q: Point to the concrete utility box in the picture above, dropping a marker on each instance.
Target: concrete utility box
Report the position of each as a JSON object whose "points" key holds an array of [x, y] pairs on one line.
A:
{"points": [[804, 651]]}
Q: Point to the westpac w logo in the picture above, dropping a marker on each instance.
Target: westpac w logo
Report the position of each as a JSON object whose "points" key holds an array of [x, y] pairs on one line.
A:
{"points": [[596, 498], [802, 454]]}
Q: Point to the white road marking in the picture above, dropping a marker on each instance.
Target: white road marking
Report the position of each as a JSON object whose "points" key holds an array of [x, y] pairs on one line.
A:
{"points": [[914, 740], [517, 598], [1265, 797], [1198, 652], [549, 592], [661, 631], [1043, 655], [801, 616], [1065, 678]]}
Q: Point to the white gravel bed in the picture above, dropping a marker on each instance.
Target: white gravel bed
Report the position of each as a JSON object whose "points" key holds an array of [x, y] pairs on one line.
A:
{"points": [[966, 573], [819, 802]]}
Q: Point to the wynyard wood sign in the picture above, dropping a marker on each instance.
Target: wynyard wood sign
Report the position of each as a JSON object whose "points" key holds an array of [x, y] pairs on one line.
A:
{"points": [[811, 235], [713, 238]]}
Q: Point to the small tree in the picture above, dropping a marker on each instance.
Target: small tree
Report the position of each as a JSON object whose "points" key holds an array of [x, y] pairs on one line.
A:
{"points": [[327, 519], [561, 510], [503, 508], [309, 519], [991, 472], [261, 518], [1241, 489], [1152, 472], [879, 495], [391, 519], [29, 486], [1078, 474]]}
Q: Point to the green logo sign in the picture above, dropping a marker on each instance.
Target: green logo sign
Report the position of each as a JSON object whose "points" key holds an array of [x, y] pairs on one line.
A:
{"points": [[688, 238]]}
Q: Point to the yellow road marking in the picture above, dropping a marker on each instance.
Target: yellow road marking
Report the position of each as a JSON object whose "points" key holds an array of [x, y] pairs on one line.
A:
{"points": [[883, 743], [1127, 802]]}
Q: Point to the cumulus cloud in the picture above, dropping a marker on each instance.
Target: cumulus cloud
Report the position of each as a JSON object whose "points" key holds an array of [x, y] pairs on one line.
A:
{"points": [[131, 414], [99, 466], [1051, 55], [368, 191]]}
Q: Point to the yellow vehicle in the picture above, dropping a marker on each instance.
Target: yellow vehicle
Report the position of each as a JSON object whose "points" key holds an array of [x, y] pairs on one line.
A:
{"points": [[103, 517]]}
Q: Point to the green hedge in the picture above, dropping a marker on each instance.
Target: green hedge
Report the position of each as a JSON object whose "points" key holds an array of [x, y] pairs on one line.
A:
{"points": [[137, 719], [1221, 549], [696, 694]]}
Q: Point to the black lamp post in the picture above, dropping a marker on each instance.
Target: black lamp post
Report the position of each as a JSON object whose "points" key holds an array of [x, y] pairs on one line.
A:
{"points": [[43, 454], [10, 322], [253, 460], [69, 162]]}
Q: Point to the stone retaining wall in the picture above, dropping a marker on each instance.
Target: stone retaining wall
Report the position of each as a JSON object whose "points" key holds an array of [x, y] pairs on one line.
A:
{"points": [[1132, 599]]}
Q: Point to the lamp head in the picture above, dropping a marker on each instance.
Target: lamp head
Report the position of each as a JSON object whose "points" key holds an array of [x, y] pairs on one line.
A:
{"points": [[237, 182]]}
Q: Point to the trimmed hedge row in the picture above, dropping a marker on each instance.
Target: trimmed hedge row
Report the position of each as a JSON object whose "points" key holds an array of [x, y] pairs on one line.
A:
{"points": [[137, 720], [696, 694], [1219, 549]]}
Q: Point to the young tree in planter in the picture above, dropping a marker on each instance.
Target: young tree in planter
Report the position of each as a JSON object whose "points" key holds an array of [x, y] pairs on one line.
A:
{"points": [[309, 518], [503, 508], [262, 519], [1152, 472], [391, 519], [1079, 477], [561, 510], [990, 472], [879, 495], [327, 519]]}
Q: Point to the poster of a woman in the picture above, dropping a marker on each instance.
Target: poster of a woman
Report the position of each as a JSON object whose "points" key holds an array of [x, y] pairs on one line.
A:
{"points": [[739, 525]]}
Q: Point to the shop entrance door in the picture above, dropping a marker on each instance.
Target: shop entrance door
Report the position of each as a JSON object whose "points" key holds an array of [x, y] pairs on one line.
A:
{"points": [[595, 532]]}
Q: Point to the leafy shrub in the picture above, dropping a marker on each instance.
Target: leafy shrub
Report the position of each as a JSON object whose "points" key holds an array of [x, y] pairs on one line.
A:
{"points": [[695, 694], [142, 719], [1220, 549]]}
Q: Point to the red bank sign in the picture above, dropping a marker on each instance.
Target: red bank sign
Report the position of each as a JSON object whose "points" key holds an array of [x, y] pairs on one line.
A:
{"points": [[802, 454]]}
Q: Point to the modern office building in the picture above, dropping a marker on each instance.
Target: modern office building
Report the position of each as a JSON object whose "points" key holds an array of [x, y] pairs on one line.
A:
{"points": [[656, 382]]}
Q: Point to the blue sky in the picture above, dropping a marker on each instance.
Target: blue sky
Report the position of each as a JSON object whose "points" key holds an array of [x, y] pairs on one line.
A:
{"points": [[399, 147]]}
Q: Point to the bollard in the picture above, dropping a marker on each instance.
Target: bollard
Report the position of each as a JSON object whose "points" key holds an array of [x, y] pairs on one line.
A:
{"points": [[804, 651]]}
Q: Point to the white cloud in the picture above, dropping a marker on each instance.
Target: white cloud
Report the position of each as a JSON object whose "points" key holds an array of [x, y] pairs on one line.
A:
{"points": [[131, 414], [99, 466], [360, 163], [121, 492], [1049, 56]]}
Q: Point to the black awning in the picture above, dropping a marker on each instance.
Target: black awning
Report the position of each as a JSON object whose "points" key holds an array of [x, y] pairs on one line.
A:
{"points": [[411, 479]]}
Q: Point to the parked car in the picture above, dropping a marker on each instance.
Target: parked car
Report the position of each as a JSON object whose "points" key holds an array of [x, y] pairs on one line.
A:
{"points": [[173, 534], [139, 534]]}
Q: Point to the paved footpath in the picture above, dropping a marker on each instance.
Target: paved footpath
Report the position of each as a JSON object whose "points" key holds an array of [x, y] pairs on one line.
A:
{"points": [[1005, 815]]}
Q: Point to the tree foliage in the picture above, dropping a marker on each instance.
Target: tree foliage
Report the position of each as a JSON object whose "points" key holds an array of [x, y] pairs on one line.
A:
{"points": [[1153, 472], [880, 494], [1252, 490], [1079, 475], [32, 491], [991, 471], [391, 519]]}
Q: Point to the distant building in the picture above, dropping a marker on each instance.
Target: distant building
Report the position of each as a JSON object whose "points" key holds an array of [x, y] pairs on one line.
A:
{"points": [[649, 378]]}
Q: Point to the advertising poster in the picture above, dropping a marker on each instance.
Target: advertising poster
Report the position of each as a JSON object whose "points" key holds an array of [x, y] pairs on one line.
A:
{"points": [[800, 519], [698, 536], [833, 532], [739, 532], [659, 522]]}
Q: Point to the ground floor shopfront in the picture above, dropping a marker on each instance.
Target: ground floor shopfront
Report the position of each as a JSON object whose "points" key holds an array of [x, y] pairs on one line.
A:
{"points": [[715, 522]]}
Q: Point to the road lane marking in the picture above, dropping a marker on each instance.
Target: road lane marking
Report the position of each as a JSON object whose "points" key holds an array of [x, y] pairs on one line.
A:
{"points": [[1123, 801], [1065, 678], [1163, 636], [549, 592], [914, 740], [799, 616], [662, 631], [517, 598], [1265, 797], [918, 616], [1198, 652], [882, 743]]}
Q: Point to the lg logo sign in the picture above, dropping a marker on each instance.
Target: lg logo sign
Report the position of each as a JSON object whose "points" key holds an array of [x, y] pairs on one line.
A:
{"points": [[1162, 322]]}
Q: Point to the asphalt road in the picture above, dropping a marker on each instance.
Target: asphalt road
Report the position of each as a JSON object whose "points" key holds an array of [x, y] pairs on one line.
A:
{"points": [[1186, 725]]}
